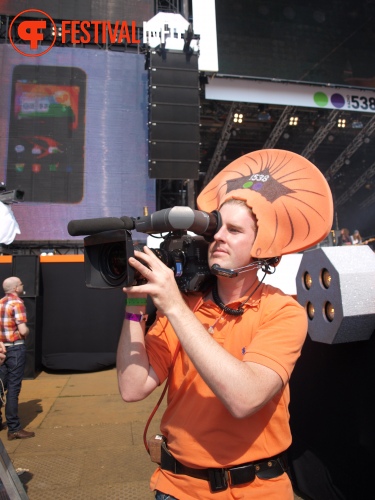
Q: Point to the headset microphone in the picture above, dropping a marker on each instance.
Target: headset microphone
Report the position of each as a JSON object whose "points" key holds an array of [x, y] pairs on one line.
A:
{"points": [[220, 271], [232, 273], [265, 265]]}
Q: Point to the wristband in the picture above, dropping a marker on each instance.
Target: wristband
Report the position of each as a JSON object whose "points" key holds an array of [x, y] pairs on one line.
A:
{"points": [[135, 317], [135, 301]]}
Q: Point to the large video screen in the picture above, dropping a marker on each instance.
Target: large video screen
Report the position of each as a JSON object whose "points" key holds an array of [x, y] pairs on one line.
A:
{"points": [[47, 133], [292, 40], [73, 137]]}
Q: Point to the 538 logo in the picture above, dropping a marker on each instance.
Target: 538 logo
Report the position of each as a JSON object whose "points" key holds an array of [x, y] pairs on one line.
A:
{"points": [[361, 102], [259, 177]]}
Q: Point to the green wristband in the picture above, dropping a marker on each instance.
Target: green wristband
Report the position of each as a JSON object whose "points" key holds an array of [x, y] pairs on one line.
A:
{"points": [[136, 302]]}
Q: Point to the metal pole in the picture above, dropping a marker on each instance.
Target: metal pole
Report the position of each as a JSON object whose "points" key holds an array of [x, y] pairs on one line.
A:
{"points": [[185, 9]]}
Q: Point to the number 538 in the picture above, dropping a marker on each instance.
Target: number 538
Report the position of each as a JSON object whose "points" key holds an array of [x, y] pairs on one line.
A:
{"points": [[362, 102]]}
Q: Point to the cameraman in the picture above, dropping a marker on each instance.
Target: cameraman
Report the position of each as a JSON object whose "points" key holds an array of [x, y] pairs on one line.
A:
{"points": [[229, 353]]}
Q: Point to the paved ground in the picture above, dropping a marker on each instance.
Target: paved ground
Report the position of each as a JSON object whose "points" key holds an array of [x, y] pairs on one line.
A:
{"points": [[88, 443]]}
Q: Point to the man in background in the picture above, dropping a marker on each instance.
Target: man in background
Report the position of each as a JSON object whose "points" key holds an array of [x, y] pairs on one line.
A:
{"points": [[13, 332]]}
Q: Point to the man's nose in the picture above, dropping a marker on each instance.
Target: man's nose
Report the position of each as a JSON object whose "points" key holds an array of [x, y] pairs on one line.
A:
{"points": [[220, 234]]}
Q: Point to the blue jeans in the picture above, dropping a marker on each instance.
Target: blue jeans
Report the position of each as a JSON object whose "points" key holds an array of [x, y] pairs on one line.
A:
{"points": [[162, 496], [11, 374]]}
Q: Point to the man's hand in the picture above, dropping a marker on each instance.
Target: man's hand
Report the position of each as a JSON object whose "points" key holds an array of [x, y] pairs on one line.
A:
{"points": [[161, 284], [2, 353]]}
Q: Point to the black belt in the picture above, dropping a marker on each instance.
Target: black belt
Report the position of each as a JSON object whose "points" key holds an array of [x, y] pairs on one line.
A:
{"points": [[219, 479]]}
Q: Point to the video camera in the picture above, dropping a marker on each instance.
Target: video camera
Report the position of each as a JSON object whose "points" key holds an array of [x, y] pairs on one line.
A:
{"points": [[109, 245], [8, 197]]}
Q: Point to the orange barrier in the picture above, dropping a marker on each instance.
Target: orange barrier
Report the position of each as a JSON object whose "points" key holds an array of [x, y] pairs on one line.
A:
{"points": [[7, 259]]}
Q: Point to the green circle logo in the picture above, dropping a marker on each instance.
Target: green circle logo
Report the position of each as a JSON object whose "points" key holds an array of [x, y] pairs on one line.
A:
{"points": [[320, 99]]}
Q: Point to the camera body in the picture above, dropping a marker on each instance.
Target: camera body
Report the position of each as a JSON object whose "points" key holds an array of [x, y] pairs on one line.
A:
{"points": [[107, 260]]}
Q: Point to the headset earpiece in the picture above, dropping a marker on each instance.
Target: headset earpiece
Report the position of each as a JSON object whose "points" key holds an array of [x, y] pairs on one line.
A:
{"points": [[269, 265]]}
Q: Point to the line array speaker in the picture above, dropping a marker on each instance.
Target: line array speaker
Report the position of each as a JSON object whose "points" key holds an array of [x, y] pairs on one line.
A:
{"points": [[27, 269], [33, 342], [173, 115]]}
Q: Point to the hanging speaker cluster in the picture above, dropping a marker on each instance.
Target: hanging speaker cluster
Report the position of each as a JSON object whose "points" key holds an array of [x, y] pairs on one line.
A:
{"points": [[173, 115]]}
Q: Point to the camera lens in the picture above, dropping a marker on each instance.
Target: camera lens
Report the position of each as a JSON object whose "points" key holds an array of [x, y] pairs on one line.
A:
{"points": [[113, 263]]}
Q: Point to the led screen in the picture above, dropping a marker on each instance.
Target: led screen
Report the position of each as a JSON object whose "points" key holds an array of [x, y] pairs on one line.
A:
{"points": [[73, 137], [46, 133]]}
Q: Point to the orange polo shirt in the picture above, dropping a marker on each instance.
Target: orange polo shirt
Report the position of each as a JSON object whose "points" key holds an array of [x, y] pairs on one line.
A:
{"points": [[201, 433]]}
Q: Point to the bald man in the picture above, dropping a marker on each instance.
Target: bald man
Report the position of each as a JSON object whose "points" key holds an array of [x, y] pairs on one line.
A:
{"points": [[13, 332]]}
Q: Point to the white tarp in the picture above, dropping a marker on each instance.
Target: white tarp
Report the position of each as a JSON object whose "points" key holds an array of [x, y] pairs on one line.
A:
{"points": [[8, 225]]}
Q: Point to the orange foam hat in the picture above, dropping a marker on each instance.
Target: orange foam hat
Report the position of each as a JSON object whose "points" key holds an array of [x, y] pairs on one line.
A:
{"points": [[289, 196]]}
